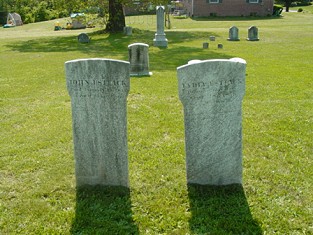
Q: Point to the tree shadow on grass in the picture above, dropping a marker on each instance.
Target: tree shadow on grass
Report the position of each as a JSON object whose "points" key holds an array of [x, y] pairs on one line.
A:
{"points": [[102, 44], [103, 210], [116, 46], [220, 210]]}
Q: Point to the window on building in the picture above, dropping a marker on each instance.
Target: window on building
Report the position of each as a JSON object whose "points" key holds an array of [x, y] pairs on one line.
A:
{"points": [[214, 1], [253, 1]]}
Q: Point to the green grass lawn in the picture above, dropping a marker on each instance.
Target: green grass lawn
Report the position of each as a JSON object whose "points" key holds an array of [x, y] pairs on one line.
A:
{"points": [[37, 181]]}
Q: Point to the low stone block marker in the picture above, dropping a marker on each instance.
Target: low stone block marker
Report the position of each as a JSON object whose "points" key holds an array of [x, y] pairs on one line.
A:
{"points": [[205, 45], [138, 54], [211, 92], [98, 89]]}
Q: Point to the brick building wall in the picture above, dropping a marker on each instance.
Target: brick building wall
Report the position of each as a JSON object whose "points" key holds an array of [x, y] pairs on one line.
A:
{"points": [[202, 8]]}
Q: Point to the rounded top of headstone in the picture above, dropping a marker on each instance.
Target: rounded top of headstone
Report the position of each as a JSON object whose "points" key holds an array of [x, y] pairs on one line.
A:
{"points": [[138, 44], [194, 61], [83, 37], [239, 60], [96, 59]]}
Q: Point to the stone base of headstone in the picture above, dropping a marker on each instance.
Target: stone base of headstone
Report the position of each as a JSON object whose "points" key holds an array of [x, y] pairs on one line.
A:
{"points": [[128, 31], [253, 39], [233, 39], [205, 45], [160, 40]]}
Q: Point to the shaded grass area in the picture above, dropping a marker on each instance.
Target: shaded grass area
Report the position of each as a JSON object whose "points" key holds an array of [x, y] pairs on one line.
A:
{"points": [[37, 189], [220, 210], [103, 210]]}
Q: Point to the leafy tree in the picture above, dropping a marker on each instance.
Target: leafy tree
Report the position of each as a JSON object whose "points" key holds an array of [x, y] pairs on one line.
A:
{"points": [[287, 3]]}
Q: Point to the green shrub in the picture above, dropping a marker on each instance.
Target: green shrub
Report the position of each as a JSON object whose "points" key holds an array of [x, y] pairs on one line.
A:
{"points": [[277, 10], [29, 18], [300, 10]]}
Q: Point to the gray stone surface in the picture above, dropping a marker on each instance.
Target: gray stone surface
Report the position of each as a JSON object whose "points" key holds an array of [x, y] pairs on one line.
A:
{"points": [[128, 31], [212, 38], [98, 89], [220, 46], [253, 34], [211, 92], [83, 38], [205, 45], [233, 34], [160, 37], [138, 54]]}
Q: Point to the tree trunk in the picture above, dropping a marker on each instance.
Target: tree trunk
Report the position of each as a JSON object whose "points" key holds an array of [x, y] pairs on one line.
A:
{"points": [[288, 3], [116, 22]]}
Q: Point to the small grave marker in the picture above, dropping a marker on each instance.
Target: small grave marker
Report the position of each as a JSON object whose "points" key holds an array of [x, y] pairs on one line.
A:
{"points": [[205, 45], [233, 34], [139, 59], [212, 38], [83, 38], [253, 34]]}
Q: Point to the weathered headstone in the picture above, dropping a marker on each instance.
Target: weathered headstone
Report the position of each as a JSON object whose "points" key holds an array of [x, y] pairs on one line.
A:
{"points": [[233, 34], [98, 89], [211, 92], [128, 31], [212, 38], [160, 37], [253, 34], [139, 59], [205, 45], [83, 38], [220, 46]]}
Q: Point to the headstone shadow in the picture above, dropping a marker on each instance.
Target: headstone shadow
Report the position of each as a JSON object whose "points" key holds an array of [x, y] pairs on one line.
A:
{"points": [[220, 210], [103, 210]]}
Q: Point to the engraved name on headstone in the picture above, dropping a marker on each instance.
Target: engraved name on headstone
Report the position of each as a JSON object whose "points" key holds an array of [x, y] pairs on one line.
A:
{"points": [[211, 92], [98, 89]]}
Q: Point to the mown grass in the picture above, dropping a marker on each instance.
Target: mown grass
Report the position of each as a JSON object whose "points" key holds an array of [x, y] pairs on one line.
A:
{"points": [[37, 182]]}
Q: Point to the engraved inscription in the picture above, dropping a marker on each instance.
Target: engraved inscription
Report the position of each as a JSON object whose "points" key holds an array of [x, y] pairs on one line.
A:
{"points": [[95, 87], [222, 90]]}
